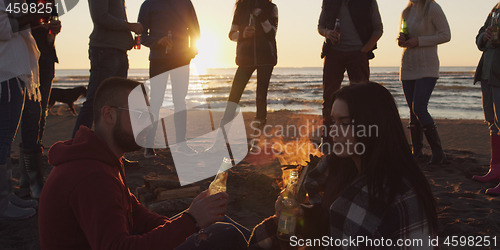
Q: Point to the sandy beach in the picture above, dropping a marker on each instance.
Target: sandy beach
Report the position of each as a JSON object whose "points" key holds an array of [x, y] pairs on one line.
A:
{"points": [[464, 208]]}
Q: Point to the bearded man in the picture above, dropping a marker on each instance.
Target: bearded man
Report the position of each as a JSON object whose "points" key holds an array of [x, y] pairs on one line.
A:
{"points": [[86, 203]]}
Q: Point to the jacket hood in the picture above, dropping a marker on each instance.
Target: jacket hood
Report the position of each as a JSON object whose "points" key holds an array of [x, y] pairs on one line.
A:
{"points": [[85, 146]]}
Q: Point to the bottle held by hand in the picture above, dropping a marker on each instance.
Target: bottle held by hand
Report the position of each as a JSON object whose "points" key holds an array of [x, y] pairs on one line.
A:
{"points": [[168, 50], [219, 183], [51, 37], [336, 38], [137, 41], [495, 27], [289, 206], [404, 30]]}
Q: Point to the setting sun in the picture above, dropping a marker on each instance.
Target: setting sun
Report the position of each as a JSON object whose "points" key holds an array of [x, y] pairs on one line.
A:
{"points": [[208, 49]]}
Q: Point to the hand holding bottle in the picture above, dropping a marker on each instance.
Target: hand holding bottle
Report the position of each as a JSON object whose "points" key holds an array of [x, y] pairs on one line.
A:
{"points": [[165, 41], [488, 34], [401, 39], [208, 209], [333, 36], [411, 43], [55, 26]]}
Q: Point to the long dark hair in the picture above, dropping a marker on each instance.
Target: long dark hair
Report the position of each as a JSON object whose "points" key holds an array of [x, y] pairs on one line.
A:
{"points": [[387, 159]]}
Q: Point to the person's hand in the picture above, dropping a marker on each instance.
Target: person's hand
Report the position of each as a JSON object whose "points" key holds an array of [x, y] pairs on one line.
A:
{"points": [[256, 11], [411, 43], [165, 41], [333, 36], [401, 39], [55, 26], [30, 17], [249, 32], [488, 34], [207, 210], [135, 27], [277, 209]]}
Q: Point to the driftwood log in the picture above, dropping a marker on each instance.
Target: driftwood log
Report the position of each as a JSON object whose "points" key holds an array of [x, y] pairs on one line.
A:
{"points": [[187, 192]]}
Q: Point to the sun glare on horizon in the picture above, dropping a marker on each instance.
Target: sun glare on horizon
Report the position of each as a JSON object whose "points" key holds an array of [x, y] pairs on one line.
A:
{"points": [[208, 47]]}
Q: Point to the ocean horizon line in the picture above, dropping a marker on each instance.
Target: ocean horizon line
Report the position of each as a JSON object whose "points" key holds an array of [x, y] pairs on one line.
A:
{"points": [[280, 67]]}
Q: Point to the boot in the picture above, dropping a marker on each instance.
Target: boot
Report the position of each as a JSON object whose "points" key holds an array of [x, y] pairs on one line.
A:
{"points": [[438, 156], [16, 201], [34, 166], [417, 137], [494, 191], [24, 181], [494, 174], [7, 210]]}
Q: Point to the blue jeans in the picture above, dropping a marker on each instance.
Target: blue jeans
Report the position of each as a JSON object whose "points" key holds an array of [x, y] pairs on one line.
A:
{"points": [[11, 107], [491, 105], [417, 94], [104, 63]]}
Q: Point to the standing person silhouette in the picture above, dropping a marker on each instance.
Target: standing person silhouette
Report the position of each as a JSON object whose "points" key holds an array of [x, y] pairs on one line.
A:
{"points": [[428, 27], [171, 31], [487, 73], [109, 42], [34, 112], [350, 49], [18, 78], [254, 27]]}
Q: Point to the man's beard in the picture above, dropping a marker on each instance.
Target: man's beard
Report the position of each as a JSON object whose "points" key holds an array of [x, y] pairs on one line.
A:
{"points": [[123, 139]]}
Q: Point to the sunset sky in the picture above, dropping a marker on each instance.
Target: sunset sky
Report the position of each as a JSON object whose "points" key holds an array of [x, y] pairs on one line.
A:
{"points": [[299, 43]]}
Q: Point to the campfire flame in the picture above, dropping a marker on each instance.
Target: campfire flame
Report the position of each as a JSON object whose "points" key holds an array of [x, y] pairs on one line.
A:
{"points": [[293, 151]]}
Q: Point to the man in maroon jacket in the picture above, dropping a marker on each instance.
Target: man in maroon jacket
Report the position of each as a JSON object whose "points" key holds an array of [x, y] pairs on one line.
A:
{"points": [[86, 204]]}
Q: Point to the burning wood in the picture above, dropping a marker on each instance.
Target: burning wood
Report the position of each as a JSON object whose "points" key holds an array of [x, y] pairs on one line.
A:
{"points": [[164, 194]]}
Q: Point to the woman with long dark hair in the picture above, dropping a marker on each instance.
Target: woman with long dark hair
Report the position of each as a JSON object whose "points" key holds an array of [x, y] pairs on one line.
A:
{"points": [[372, 185], [428, 27], [254, 27]]}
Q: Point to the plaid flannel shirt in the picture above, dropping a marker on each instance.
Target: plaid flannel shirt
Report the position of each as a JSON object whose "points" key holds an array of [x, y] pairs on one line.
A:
{"points": [[349, 217]]}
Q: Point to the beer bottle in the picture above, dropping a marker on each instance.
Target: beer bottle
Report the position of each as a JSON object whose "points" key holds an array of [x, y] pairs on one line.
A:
{"points": [[50, 36], [289, 205], [404, 30], [137, 41], [337, 29], [169, 47], [495, 27], [219, 183]]}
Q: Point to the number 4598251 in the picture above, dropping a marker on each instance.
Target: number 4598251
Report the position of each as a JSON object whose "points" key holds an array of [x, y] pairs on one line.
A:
{"points": [[471, 241], [25, 8]]}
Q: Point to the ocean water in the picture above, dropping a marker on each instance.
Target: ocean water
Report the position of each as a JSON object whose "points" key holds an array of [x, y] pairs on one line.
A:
{"points": [[300, 89]]}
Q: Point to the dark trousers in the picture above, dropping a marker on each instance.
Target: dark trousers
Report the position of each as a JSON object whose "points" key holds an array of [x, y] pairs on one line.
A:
{"points": [[34, 113], [11, 108], [104, 63], [240, 81], [335, 64], [159, 71], [417, 94]]}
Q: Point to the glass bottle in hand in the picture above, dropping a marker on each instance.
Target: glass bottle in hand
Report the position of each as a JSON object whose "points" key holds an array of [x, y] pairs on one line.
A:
{"points": [[289, 206], [219, 183]]}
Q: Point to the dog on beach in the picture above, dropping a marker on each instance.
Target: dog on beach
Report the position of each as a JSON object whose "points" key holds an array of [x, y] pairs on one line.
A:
{"points": [[68, 96]]}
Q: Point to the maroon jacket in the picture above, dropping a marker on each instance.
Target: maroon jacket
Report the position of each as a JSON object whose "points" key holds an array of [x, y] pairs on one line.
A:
{"points": [[86, 204]]}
